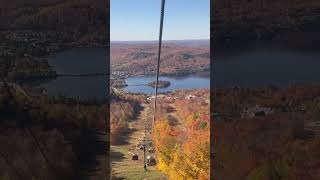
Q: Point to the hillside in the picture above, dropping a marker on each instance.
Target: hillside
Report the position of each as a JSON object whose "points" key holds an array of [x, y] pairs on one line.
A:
{"points": [[128, 117], [51, 137], [140, 59], [123, 108], [243, 21], [267, 133], [182, 134], [73, 20], [31, 31]]}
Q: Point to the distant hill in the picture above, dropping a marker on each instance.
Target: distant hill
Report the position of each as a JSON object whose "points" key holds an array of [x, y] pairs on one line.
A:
{"points": [[81, 18], [176, 59], [53, 14], [193, 42], [243, 21]]}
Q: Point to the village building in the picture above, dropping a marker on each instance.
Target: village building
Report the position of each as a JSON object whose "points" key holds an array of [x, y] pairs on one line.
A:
{"points": [[190, 97]]}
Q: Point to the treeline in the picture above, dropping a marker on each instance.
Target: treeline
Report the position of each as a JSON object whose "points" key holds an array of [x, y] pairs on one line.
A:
{"points": [[183, 150]]}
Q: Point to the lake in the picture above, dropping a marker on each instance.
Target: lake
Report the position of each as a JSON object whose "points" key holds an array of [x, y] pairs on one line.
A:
{"points": [[186, 82], [262, 65], [94, 60], [254, 66], [79, 61]]}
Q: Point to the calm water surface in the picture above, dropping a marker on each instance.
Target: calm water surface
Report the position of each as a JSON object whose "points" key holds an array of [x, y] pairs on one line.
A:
{"points": [[93, 60], [79, 61], [188, 82], [251, 67], [261, 65]]}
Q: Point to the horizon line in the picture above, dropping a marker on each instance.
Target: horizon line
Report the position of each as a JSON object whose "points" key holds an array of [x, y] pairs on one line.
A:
{"points": [[157, 40]]}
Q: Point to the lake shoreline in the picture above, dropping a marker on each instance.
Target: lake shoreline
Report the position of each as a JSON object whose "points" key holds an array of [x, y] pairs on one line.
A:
{"points": [[36, 56], [139, 84]]}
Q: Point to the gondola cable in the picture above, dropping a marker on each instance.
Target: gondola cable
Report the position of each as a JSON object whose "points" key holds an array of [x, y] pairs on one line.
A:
{"points": [[158, 61], [156, 87]]}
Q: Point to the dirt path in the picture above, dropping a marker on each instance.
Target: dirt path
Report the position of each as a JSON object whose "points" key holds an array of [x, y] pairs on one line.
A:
{"points": [[122, 165]]}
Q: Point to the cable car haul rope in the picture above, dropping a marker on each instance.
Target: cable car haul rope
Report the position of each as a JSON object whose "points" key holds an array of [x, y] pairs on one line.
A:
{"points": [[144, 142], [158, 61]]}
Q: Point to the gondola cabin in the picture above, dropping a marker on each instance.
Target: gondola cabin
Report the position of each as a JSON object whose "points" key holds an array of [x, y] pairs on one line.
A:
{"points": [[151, 150], [135, 157], [151, 161]]}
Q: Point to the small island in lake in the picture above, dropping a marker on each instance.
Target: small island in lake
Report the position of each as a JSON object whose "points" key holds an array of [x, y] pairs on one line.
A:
{"points": [[162, 84]]}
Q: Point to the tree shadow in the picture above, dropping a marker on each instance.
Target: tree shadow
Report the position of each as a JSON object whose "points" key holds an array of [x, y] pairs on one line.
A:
{"points": [[170, 109], [172, 120], [117, 178], [116, 156], [124, 138], [137, 113], [92, 155]]}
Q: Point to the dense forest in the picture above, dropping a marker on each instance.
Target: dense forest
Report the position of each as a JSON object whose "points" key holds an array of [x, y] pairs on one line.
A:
{"points": [[237, 21], [182, 136], [267, 133], [137, 59], [77, 20], [50, 137], [124, 108], [31, 31]]}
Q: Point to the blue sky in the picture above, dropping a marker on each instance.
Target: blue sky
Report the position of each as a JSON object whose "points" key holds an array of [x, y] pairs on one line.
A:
{"points": [[132, 20]]}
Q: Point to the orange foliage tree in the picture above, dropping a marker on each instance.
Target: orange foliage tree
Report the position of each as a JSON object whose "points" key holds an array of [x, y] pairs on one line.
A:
{"points": [[184, 153]]}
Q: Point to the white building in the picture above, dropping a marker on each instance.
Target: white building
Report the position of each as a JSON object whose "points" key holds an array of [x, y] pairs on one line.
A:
{"points": [[190, 97]]}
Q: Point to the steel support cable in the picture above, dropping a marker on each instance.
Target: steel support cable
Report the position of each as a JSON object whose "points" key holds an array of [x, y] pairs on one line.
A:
{"points": [[158, 61]]}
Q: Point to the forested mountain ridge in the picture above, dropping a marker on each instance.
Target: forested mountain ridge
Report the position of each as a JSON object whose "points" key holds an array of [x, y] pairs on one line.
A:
{"points": [[84, 20], [234, 20], [175, 60]]}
